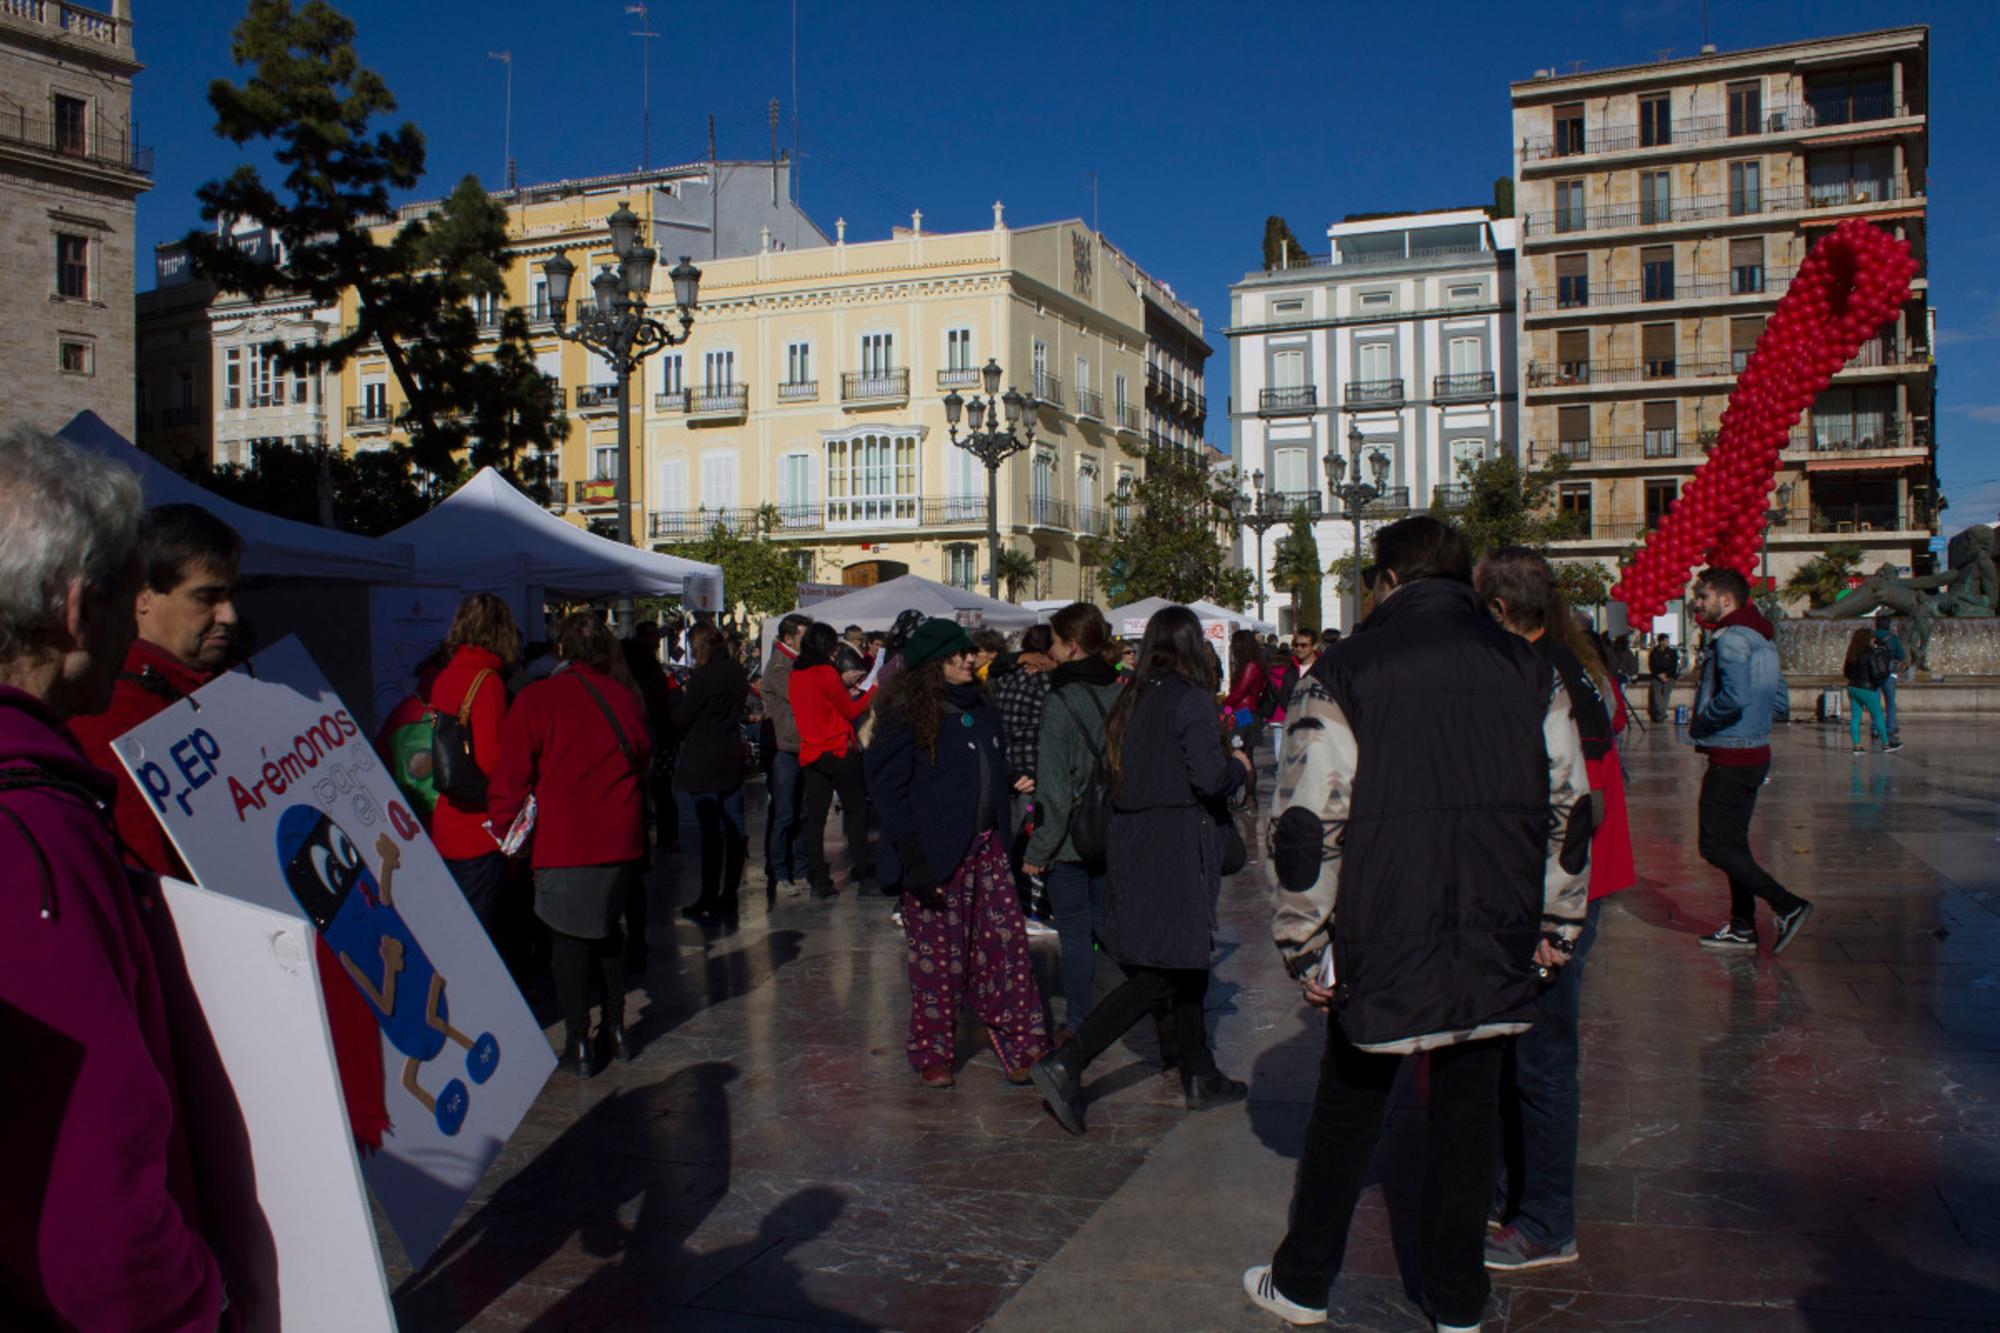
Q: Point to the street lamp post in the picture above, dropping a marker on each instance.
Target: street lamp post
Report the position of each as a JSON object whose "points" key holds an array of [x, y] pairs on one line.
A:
{"points": [[1259, 511], [1781, 506], [616, 326], [1355, 495], [992, 446]]}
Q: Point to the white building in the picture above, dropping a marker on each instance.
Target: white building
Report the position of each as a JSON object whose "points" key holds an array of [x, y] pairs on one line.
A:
{"points": [[1403, 332]]}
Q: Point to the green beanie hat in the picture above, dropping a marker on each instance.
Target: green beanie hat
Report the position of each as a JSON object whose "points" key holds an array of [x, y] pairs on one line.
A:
{"points": [[934, 640]]}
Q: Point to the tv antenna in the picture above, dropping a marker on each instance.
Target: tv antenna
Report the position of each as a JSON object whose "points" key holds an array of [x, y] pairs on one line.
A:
{"points": [[507, 134], [645, 36]]}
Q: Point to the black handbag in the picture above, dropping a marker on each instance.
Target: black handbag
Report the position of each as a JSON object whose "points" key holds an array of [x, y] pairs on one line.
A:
{"points": [[454, 772], [1235, 853]]}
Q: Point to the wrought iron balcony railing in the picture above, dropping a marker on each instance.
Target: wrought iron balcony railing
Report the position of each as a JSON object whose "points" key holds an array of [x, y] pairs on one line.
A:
{"points": [[1373, 393], [866, 386], [1295, 398], [1462, 387]]}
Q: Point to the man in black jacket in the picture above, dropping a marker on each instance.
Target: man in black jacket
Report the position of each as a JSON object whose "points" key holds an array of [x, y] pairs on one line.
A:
{"points": [[1432, 781], [1664, 665]]}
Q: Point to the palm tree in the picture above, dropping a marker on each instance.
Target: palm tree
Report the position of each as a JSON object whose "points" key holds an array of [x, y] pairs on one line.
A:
{"points": [[1822, 581], [1018, 572]]}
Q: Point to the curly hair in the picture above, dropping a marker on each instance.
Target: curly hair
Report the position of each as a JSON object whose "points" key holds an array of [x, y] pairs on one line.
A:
{"points": [[485, 621], [916, 698]]}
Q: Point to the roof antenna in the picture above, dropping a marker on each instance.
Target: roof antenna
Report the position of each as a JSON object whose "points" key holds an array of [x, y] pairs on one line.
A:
{"points": [[645, 37], [507, 134], [774, 152]]}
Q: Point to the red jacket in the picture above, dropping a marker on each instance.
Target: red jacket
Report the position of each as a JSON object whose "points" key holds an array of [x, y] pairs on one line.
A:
{"points": [[458, 829], [1248, 691], [556, 743], [824, 711], [151, 679]]}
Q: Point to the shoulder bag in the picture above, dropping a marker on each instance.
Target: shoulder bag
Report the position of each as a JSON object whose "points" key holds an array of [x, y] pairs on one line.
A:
{"points": [[454, 772]]}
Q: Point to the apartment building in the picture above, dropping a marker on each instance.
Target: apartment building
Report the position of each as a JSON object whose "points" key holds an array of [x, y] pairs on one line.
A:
{"points": [[1664, 210], [1402, 332], [1175, 413], [70, 178], [809, 401]]}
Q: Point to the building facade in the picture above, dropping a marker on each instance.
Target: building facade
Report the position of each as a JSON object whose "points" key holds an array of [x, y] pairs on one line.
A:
{"points": [[70, 177], [1403, 332], [1664, 208]]}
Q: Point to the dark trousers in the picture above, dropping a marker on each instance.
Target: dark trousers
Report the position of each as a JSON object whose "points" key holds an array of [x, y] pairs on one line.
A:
{"points": [[1077, 897], [1460, 1164], [1144, 990], [666, 809], [719, 816], [479, 880], [1728, 800], [781, 825], [576, 963], [1540, 1105], [1659, 694], [823, 777]]}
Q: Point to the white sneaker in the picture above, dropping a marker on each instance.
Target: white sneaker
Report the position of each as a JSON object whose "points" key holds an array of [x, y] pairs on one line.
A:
{"points": [[794, 888], [1263, 1293], [1038, 929], [1456, 1328]]}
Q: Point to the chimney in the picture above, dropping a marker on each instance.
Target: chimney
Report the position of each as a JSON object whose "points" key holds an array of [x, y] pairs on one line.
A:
{"points": [[840, 231], [917, 222], [999, 216]]}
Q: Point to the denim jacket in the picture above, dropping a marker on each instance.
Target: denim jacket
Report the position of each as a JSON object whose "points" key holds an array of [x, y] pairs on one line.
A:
{"points": [[1741, 693]]}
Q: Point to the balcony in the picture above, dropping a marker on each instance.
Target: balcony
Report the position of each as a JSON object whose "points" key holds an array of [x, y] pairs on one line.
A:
{"points": [[1048, 390], [1128, 418], [1748, 280], [1461, 388], [1568, 374], [1584, 528], [958, 377], [1451, 497], [1860, 518], [799, 391], [1089, 405], [1419, 255], [1645, 446], [370, 417], [788, 520], [91, 144], [1392, 500], [719, 402], [1195, 405], [1047, 512], [1374, 393], [1860, 433], [1815, 113], [1290, 502], [874, 388], [669, 403], [597, 492], [592, 398], [1295, 398], [1710, 208]]}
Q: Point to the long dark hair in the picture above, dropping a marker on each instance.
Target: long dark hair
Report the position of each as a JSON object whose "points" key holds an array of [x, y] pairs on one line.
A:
{"points": [[1859, 645], [584, 639], [1244, 649], [818, 646], [1173, 646], [916, 697], [1082, 624]]}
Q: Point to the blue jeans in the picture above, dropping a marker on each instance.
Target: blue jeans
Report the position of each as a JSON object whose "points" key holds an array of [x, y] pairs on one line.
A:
{"points": [[719, 816], [1542, 1113], [781, 825], [1078, 899], [1889, 702]]}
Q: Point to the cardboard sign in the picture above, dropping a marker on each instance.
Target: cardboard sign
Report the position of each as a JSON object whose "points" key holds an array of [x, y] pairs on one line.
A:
{"points": [[271, 793]]}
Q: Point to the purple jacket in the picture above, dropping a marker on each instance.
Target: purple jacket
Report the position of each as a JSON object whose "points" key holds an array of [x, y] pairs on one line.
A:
{"points": [[99, 1229]]}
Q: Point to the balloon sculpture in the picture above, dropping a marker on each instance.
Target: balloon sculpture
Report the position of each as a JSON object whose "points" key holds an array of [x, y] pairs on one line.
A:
{"points": [[1852, 283]]}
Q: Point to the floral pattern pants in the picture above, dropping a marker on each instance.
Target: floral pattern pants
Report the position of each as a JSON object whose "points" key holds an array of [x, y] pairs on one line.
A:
{"points": [[974, 949]]}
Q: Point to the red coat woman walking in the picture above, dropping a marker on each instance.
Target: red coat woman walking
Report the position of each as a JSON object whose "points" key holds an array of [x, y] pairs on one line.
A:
{"points": [[829, 758], [472, 687]]}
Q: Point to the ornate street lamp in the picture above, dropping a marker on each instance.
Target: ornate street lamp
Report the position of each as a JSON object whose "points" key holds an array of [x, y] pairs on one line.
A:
{"points": [[992, 446], [1259, 511], [1356, 495], [1781, 507], [616, 325]]}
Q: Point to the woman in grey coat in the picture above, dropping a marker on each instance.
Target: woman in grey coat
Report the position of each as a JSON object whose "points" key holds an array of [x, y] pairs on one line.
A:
{"points": [[1170, 778]]}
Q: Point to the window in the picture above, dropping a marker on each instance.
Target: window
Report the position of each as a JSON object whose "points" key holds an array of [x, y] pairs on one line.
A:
{"points": [[1860, 176], [72, 125], [871, 478], [184, 383], [374, 399], [1377, 301], [1463, 293], [1288, 369], [1118, 396], [263, 372], [672, 371], [798, 362], [1572, 281], [961, 560], [1843, 96], [1746, 188], [1743, 336], [1660, 496], [798, 489], [232, 378], [1655, 120], [1374, 361], [1290, 474], [671, 496], [1656, 269], [1656, 197], [1574, 499], [964, 478], [74, 357], [604, 462], [718, 371], [878, 353], [1568, 119], [1296, 306], [1467, 453], [1573, 356], [1041, 488], [1464, 356], [1573, 431], [718, 481], [73, 266], [1656, 343], [1746, 265], [1662, 424], [1041, 364], [958, 349], [1082, 376], [1569, 205], [1746, 109], [1857, 417], [1086, 494], [541, 309]]}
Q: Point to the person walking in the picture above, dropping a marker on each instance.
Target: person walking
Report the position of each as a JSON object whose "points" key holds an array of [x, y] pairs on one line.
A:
{"points": [[1740, 695], [577, 743], [1540, 1101], [484, 645], [1866, 667], [1663, 667], [830, 758], [784, 868], [708, 721], [1082, 690], [1170, 779], [938, 774], [1890, 644], [1434, 789], [1019, 688]]}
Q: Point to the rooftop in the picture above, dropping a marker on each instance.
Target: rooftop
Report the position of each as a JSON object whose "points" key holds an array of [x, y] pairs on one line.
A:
{"points": [[1914, 35]]}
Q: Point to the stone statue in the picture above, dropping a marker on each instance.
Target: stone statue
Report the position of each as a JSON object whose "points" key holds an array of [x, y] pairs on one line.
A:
{"points": [[1973, 588], [1969, 590]]}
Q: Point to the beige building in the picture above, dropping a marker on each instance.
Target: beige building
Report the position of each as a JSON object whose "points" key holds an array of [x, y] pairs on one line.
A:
{"points": [[1664, 209], [69, 179]]}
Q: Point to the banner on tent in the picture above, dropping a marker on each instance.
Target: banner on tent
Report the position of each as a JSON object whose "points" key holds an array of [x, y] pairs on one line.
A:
{"points": [[812, 594], [271, 794], [403, 625], [703, 593]]}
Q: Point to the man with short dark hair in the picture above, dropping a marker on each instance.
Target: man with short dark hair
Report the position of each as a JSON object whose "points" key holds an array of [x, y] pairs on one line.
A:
{"points": [[1433, 786], [1663, 666], [1740, 695], [782, 866]]}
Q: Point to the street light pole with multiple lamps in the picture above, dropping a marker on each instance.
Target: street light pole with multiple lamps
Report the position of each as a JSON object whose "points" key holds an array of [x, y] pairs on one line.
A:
{"points": [[1259, 511], [1355, 496], [992, 446]]}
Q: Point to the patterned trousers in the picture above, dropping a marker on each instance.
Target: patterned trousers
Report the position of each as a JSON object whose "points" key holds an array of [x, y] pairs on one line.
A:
{"points": [[973, 949]]}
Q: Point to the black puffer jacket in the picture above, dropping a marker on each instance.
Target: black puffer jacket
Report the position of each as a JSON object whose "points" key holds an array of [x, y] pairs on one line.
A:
{"points": [[708, 726]]}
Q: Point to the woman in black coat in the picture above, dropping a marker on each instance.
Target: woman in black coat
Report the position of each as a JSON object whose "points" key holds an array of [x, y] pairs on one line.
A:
{"points": [[708, 723], [1170, 781]]}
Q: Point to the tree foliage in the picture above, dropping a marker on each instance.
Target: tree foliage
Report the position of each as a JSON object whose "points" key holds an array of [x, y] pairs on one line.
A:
{"points": [[1584, 583], [1507, 505], [370, 493], [1503, 198], [759, 575], [1822, 580], [308, 94], [1175, 539], [1281, 247], [1295, 570], [1018, 573]]}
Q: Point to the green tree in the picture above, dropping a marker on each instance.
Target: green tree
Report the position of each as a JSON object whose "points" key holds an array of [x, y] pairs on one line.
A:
{"points": [[1507, 505], [1295, 570], [1281, 247], [759, 575], [1822, 580], [1584, 583], [1018, 572], [369, 493], [1175, 535], [308, 94], [1503, 198]]}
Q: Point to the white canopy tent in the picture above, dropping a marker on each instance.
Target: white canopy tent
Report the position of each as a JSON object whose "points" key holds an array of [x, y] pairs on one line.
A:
{"points": [[877, 607], [1217, 623]]}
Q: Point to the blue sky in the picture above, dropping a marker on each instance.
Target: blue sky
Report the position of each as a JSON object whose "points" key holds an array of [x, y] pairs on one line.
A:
{"points": [[1198, 119]]}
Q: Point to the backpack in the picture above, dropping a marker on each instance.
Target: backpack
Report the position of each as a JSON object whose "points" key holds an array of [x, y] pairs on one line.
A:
{"points": [[1273, 696], [1090, 811], [1880, 667], [454, 772]]}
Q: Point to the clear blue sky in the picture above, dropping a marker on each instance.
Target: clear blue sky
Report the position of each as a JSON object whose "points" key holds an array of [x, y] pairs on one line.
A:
{"points": [[1199, 118]]}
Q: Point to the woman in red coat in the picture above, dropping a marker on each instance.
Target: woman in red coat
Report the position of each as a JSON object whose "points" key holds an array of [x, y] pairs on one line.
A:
{"points": [[577, 744], [829, 757], [484, 646]]}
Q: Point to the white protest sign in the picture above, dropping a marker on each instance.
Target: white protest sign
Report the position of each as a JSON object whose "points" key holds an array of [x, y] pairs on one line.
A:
{"points": [[271, 794], [285, 1207]]}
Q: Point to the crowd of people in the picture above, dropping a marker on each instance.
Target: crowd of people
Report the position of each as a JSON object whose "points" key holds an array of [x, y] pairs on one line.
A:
{"points": [[1448, 781]]}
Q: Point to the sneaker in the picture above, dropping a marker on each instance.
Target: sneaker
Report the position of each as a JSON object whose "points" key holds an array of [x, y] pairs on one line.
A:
{"points": [[1861, 749], [1510, 1249], [1789, 924], [1039, 930], [1263, 1293], [1892, 747], [1730, 937], [793, 888]]}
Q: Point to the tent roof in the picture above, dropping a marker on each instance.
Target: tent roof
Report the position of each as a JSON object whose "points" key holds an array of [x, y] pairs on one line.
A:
{"points": [[1208, 612], [273, 547], [487, 533], [877, 607]]}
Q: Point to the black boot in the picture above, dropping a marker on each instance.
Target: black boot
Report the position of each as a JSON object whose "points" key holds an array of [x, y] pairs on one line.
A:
{"points": [[1205, 1092], [620, 1043], [1061, 1084], [577, 1057], [701, 910]]}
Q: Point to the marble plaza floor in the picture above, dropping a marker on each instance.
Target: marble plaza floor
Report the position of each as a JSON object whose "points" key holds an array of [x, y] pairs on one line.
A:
{"points": [[1806, 1143]]}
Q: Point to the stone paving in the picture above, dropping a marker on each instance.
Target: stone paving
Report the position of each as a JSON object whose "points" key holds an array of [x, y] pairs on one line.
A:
{"points": [[1805, 1143]]}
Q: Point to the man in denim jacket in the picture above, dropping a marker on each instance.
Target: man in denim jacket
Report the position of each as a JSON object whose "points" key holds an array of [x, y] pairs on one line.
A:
{"points": [[1740, 695]]}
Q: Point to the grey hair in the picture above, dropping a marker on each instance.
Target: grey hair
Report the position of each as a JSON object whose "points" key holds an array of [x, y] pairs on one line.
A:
{"points": [[65, 514]]}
